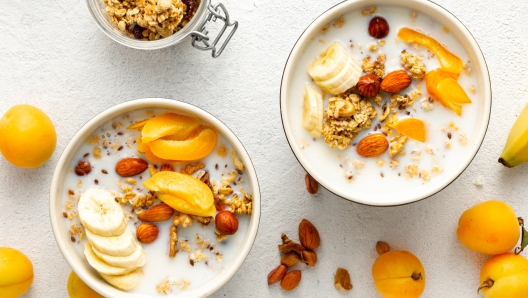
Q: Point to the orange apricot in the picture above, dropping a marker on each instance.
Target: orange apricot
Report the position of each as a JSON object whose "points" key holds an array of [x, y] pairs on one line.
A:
{"points": [[145, 149], [449, 61], [183, 206], [191, 149], [445, 89], [412, 128], [169, 124], [138, 125]]}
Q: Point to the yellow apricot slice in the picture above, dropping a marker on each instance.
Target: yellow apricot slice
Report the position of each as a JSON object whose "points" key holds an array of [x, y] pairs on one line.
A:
{"points": [[195, 148], [184, 187], [138, 125], [412, 128], [183, 206], [449, 61], [451, 88], [145, 149], [169, 124], [444, 88]]}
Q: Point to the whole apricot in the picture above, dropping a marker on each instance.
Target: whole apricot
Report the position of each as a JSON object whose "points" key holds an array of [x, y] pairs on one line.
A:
{"points": [[78, 289], [16, 273], [505, 275], [489, 227], [27, 136], [398, 274]]}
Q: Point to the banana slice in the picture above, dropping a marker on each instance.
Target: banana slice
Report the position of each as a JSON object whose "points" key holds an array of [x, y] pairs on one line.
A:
{"points": [[100, 213], [119, 246], [344, 80], [329, 63], [124, 282], [136, 259], [312, 117], [100, 265]]}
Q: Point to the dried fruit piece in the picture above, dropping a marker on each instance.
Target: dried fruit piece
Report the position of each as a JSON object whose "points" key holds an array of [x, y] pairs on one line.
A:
{"points": [[442, 85], [309, 257], [290, 259], [291, 280], [289, 246], [378, 27], [308, 235], [179, 127], [158, 213], [368, 85], [396, 81], [449, 61], [83, 168], [147, 233], [372, 145], [342, 280], [412, 128], [193, 148], [311, 185], [277, 274], [130, 166], [226, 223]]}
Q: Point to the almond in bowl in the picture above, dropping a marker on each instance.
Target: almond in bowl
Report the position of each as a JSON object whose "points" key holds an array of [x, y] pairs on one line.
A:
{"points": [[392, 95], [135, 195]]}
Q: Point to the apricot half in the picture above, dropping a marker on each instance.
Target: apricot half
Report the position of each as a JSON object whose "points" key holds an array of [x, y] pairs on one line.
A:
{"points": [[489, 227], [168, 124], [191, 149], [412, 128], [183, 206], [443, 87], [185, 187], [78, 289], [449, 61], [398, 274], [505, 275]]}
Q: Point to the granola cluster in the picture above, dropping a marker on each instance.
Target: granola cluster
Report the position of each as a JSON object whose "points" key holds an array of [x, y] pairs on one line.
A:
{"points": [[150, 19], [376, 67], [414, 64], [338, 130]]}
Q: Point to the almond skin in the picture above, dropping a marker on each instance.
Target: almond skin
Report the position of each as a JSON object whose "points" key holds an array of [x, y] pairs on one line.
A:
{"points": [[277, 274], [147, 232], [396, 81], [158, 213], [130, 166], [372, 145], [308, 235], [291, 280]]}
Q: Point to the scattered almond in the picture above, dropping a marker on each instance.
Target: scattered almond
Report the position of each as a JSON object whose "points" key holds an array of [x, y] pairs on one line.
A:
{"points": [[158, 213], [291, 280], [396, 81], [311, 185], [277, 274], [342, 280], [147, 233], [382, 247], [130, 166], [372, 145], [308, 235]]}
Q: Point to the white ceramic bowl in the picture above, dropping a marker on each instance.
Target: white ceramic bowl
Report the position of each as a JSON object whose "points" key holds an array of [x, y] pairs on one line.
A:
{"points": [[66, 247], [311, 159]]}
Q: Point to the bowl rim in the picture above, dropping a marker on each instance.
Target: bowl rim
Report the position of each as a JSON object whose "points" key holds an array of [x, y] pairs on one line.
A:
{"points": [[74, 260], [128, 41], [350, 5]]}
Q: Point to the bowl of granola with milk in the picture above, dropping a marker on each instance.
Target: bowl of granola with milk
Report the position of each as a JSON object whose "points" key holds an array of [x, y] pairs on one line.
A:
{"points": [[387, 104], [155, 197]]}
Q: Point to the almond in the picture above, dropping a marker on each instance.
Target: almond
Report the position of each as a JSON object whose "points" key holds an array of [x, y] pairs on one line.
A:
{"points": [[277, 274], [147, 232], [291, 280], [308, 235], [382, 247], [396, 81], [161, 212], [130, 166], [372, 145]]}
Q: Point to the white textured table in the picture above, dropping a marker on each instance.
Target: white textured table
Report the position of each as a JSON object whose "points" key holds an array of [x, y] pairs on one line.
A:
{"points": [[54, 57]]}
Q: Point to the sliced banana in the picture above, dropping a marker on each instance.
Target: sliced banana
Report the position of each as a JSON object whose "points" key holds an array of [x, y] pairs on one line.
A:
{"points": [[329, 63], [100, 265], [120, 246], [136, 259], [100, 213], [346, 79], [125, 282], [312, 117]]}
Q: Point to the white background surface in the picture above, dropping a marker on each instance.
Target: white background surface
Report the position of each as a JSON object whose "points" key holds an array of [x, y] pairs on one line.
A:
{"points": [[53, 56]]}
